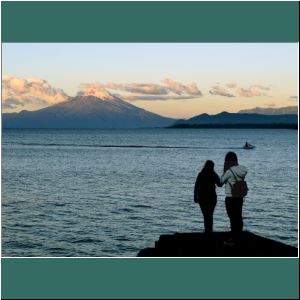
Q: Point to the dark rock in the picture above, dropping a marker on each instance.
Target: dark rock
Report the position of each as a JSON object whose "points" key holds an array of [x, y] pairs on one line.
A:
{"points": [[212, 245]]}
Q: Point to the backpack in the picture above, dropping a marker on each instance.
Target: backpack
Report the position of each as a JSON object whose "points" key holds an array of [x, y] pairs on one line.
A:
{"points": [[239, 189]]}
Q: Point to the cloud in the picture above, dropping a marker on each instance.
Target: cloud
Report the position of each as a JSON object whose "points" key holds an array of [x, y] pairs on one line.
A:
{"points": [[158, 98], [18, 92], [293, 98], [270, 105], [261, 87], [12, 103], [179, 88], [235, 90], [146, 88], [249, 92], [256, 90], [170, 89], [252, 91], [231, 84], [94, 89], [220, 91]]}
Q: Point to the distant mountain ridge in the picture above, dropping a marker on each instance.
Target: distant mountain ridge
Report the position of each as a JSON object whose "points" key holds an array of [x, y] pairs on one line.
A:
{"points": [[239, 118], [86, 112], [288, 110], [113, 112]]}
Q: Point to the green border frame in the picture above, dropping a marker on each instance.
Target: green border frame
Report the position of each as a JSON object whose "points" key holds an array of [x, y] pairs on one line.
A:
{"points": [[150, 278], [119, 21], [134, 278]]}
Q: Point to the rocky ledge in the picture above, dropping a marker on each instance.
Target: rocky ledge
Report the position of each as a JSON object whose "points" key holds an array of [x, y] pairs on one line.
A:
{"points": [[213, 245]]}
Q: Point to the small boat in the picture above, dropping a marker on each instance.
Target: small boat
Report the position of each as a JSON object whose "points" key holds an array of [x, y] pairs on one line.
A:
{"points": [[248, 146]]}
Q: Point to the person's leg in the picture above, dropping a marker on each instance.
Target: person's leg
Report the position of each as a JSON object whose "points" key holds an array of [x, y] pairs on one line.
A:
{"points": [[239, 215], [208, 221], [210, 213], [230, 212], [237, 218], [205, 211]]}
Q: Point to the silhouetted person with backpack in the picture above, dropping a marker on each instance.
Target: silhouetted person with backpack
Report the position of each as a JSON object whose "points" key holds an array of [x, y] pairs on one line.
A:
{"points": [[235, 190], [205, 193]]}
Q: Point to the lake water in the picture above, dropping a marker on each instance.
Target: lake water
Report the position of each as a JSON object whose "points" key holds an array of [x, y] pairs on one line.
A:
{"points": [[111, 193]]}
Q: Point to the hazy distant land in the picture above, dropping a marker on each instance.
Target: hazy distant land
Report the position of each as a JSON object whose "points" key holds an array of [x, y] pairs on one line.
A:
{"points": [[239, 126], [240, 120], [93, 112], [288, 110]]}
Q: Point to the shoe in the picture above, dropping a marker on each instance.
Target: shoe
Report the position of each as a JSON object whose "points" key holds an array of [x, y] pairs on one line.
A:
{"points": [[230, 242]]}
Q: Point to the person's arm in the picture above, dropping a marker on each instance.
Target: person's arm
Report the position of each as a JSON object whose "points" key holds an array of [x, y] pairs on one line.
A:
{"points": [[217, 180], [224, 178]]}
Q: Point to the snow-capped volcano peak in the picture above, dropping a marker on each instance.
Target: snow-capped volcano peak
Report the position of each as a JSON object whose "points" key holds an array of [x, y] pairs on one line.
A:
{"points": [[99, 93]]}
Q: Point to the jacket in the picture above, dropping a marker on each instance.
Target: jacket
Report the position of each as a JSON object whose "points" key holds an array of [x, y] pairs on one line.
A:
{"points": [[205, 187], [228, 178]]}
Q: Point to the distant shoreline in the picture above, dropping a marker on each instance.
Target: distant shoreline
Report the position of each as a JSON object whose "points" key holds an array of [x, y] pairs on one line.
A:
{"points": [[236, 126], [180, 126]]}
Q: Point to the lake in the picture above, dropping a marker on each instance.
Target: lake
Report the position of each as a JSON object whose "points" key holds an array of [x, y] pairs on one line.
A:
{"points": [[110, 193]]}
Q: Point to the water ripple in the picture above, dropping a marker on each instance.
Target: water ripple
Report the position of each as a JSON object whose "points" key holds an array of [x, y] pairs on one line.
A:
{"points": [[111, 193]]}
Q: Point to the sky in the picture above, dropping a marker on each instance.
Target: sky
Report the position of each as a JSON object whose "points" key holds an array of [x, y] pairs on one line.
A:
{"points": [[174, 80]]}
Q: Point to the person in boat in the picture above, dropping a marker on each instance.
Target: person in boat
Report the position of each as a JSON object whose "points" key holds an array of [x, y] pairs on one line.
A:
{"points": [[205, 193], [247, 145], [234, 206]]}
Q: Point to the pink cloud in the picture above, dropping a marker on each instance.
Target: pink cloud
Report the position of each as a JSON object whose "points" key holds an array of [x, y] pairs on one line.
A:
{"points": [[220, 91], [231, 85], [250, 92], [236, 90], [17, 92], [170, 89]]}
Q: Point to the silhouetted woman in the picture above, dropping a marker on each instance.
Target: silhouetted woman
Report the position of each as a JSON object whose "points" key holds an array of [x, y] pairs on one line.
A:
{"points": [[205, 193], [233, 172]]}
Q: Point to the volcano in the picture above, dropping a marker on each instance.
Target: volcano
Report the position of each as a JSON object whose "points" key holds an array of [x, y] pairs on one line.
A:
{"points": [[87, 112]]}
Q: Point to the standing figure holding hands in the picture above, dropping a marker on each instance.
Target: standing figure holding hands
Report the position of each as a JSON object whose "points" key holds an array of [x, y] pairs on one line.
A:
{"points": [[205, 193]]}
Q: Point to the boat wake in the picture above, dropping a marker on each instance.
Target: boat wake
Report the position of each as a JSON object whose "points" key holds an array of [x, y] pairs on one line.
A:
{"points": [[118, 146]]}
